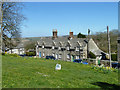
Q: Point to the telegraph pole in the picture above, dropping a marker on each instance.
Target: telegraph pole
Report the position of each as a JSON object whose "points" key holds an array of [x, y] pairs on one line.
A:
{"points": [[109, 45], [88, 44], [79, 52]]}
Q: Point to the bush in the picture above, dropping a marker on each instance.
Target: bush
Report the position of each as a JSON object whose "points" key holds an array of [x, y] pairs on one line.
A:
{"points": [[81, 35], [114, 57], [30, 53], [3, 53], [92, 55], [14, 55]]}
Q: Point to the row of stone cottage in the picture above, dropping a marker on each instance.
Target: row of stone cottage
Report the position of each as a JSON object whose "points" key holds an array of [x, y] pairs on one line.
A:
{"points": [[66, 47]]}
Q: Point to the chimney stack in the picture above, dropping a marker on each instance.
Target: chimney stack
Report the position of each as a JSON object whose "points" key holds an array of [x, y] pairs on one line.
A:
{"points": [[55, 33], [71, 35]]}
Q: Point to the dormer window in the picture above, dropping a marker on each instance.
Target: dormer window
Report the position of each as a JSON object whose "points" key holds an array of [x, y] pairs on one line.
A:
{"points": [[53, 47], [77, 48], [68, 48], [59, 48]]}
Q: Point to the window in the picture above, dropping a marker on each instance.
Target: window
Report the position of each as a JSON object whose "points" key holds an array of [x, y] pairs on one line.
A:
{"points": [[53, 54], [59, 48], [77, 57], [43, 54], [43, 46], [68, 56], [68, 48], [77, 48], [60, 56], [53, 47]]}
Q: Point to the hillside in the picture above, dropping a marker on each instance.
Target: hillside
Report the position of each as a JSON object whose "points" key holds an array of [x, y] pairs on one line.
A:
{"points": [[100, 39], [18, 72]]}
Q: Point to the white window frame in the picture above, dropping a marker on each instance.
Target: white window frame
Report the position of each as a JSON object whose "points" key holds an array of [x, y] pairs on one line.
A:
{"points": [[68, 48], [59, 48], [53, 54], [56, 56], [77, 56], [43, 54], [43, 46], [60, 56], [53, 47], [77, 48], [68, 56]]}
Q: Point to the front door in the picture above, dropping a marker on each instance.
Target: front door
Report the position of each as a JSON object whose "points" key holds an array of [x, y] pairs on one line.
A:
{"points": [[72, 58], [39, 54]]}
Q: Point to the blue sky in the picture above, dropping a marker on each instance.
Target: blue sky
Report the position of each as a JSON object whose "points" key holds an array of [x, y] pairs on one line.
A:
{"points": [[43, 17]]}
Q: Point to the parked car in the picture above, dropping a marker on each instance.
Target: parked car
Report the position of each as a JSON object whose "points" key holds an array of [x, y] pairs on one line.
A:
{"points": [[23, 55], [84, 62], [116, 65], [50, 57], [78, 60]]}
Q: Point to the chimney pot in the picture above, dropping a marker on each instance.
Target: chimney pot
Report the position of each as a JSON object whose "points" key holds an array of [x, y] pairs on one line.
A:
{"points": [[71, 34], [54, 33]]}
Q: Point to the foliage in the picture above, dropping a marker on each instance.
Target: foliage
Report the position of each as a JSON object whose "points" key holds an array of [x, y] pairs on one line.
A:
{"points": [[11, 23], [30, 53], [114, 57], [103, 69], [100, 39], [92, 55], [13, 55], [19, 72], [81, 35], [3, 53], [30, 45]]}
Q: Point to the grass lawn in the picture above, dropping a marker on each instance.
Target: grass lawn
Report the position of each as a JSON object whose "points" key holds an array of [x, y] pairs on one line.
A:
{"points": [[19, 72]]}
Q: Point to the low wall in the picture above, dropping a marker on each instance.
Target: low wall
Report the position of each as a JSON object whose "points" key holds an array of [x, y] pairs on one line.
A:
{"points": [[105, 62]]}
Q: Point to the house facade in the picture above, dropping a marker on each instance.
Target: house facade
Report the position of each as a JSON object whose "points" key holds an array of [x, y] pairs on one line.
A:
{"points": [[65, 48], [19, 49]]}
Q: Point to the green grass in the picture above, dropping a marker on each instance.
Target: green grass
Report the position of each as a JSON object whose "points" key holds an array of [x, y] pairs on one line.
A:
{"points": [[18, 72]]}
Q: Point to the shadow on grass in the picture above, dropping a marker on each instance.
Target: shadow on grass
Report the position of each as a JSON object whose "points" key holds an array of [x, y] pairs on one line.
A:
{"points": [[105, 85]]}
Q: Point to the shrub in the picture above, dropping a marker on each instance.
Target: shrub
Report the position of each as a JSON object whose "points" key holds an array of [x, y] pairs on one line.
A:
{"points": [[114, 57], [103, 69], [3, 53], [14, 55], [81, 35], [92, 55], [30, 53]]}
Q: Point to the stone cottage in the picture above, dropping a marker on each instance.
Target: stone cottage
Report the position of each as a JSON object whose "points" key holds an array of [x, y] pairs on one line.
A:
{"points": [[65, 48]]}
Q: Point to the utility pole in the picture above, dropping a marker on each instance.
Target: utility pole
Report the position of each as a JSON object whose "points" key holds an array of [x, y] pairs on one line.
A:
{"points": [[79, 52], [88, 44], [109, 45]]}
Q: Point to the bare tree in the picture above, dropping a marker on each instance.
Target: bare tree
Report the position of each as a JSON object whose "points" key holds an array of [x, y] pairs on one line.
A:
{"points": [[12, 18]]}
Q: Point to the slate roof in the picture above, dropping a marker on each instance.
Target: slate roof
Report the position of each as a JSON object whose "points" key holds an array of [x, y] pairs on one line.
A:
{"points": [[48, 41]]}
